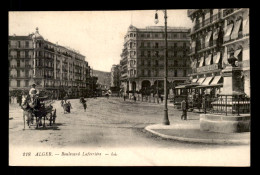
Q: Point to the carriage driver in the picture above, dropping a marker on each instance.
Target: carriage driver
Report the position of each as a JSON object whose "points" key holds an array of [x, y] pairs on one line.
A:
{"points": [[33, 92]]}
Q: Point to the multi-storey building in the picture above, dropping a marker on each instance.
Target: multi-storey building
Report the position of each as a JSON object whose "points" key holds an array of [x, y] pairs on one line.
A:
{"points": [[115, 76], [216, 35], [51, 66], [142, 58]]}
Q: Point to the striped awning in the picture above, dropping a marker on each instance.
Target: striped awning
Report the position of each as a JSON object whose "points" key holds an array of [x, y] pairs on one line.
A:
{"points": [[207, 81], [228, 31], [216, 58], [201, 61], [194, 80], [246, 25], [216, 80], [237, 52], [200, 81], [215, 34], [208, 59], [208, 38], [234, 34]]}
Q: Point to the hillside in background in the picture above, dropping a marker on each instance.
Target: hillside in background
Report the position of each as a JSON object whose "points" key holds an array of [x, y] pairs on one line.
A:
{"points": [[104, 78]]}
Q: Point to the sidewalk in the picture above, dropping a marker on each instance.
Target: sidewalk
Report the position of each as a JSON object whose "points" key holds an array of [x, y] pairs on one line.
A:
{"points": [[190, 132]]}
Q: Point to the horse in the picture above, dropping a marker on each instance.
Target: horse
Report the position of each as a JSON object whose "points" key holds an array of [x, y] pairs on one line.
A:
{"points": [[27, 111], [33, 108]]}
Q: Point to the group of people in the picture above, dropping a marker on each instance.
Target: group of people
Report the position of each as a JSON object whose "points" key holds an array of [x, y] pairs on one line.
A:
{"points": [[67, 104]]}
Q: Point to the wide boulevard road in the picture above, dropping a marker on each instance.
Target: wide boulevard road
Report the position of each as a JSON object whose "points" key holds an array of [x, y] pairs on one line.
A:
{"points": [[117, 124]]}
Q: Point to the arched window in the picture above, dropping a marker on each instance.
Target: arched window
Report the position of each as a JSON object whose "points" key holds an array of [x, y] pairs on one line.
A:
{"points": [[131, 35]]}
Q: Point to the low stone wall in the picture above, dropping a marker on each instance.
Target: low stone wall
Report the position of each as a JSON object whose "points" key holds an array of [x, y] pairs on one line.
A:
{"points": [[225, 124]]}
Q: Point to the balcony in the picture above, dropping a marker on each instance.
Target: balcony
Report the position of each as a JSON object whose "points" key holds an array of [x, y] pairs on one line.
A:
{"points": [[207, 22], [227, 12]]}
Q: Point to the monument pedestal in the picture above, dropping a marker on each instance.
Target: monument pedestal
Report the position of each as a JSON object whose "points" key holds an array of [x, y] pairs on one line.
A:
{"points": [[229, 106]]}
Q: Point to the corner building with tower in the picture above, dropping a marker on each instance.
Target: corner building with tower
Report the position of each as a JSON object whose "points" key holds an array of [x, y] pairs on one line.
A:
{"points": [[142, 58], [54, 68]]}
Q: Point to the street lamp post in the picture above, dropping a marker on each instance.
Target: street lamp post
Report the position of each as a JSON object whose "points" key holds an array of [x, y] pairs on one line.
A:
{"points": [[165, 119]]}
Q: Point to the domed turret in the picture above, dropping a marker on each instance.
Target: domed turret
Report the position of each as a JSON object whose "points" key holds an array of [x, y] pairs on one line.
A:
{"points": [[37, 36], [131, 28]]}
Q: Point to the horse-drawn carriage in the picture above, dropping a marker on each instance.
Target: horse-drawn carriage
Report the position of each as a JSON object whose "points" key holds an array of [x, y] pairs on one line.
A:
{"points": [[39, 108]]}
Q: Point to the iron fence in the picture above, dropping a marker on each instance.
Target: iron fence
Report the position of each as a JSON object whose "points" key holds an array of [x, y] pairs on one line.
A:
{"points": [[222, 105]]}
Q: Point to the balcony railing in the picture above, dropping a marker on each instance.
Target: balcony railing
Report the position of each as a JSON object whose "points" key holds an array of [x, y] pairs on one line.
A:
{"points": [[227, 12], [207, 21]]}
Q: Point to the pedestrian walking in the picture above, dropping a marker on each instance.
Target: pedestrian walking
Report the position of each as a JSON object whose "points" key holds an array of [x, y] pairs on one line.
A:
{"points": [[70, 107], [124, 97], [61, 102], [84, 102], [184, 109]]}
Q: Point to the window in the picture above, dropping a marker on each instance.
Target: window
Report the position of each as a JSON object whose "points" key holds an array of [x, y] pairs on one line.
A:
{"points": [[175, 73], [175, 63], [26, 54], [142, 35], [148, 45], [156, 62], [148, 35], [156, 73], [149, 53], [184, 45], [26, 73], [26, 83], [175, 45], [157, 53], [19, 44], [18, 63], [131, 35], [131, 45], [175, 53], [175, 35], [184, 35], [18, 73], [184, 73], [148, 63], [18, 54], [27, 44], [142, 72], [142, 53], [142, 44], [18, 83], [142, 62], [156, 35], [149, 73]]}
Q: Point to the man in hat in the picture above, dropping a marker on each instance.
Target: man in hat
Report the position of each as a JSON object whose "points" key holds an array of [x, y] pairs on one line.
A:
{"points": [[33, 91]]}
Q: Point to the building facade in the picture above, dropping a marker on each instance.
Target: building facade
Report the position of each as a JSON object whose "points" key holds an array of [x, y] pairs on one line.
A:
{"points": [[53, 67], [216, 35], [142, 58], [115, 76]]}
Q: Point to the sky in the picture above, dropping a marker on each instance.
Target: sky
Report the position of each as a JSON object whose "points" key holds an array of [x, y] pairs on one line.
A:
{"points": [[98, 35]]}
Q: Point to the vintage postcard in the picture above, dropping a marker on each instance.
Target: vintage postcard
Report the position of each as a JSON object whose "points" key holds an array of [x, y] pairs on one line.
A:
{"points": [[164, 87]]}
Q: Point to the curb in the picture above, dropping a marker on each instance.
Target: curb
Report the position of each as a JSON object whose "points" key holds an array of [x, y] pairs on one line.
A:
{"points": [[197, 140]]}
